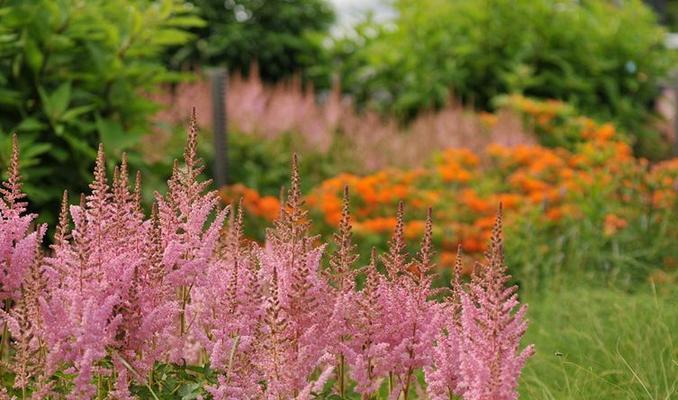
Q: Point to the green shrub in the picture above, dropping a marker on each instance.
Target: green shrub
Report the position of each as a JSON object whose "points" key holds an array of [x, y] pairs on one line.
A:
{"points": [[72, 74], [603, 57]]}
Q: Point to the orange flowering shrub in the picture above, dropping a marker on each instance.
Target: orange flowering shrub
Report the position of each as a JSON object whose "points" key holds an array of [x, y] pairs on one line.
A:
{"points": [[595, 185], [556, 123]]}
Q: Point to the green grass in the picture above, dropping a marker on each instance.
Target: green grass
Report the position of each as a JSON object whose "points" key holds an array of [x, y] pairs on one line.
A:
{"points": [[603, 344]]}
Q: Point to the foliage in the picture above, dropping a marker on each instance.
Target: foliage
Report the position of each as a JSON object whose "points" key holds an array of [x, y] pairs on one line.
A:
{"points": [[605, 58], [264, 164], [72, 73], [587, 212], [121, 296], [283, 37]]}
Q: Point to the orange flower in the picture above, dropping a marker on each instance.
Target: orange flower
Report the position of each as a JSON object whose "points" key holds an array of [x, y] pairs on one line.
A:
{"points": [[473, 245], [488, 119], [497, 150], [269, 207], [377, 225], [448, 258], [454, 173], [475, 203], [613, 224], [414, 229], [555, 214], [605, 132], [508, 200], [484, 223]]}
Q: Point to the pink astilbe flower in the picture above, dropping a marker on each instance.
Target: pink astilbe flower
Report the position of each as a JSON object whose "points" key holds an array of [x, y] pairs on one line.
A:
{"points": [[299, 301], [231, 312], [490, 361], [363, 312], [146, 309], [412, 327], [25, 325], [188, 245], [101, 299], [442, 376], [341, 276], [393, 323], [89, 276], [18, 245]]}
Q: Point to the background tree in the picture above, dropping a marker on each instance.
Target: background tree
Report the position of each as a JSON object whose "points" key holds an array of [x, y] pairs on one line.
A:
{"points": [[282, 36], [604, 57]]}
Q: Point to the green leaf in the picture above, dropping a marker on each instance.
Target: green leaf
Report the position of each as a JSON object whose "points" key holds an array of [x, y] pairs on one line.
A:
{"points": [[56, 103], [30, 124], [34, 57], [187, 22], [171, 37], [75, 112], [80, 147], [10, 97]]}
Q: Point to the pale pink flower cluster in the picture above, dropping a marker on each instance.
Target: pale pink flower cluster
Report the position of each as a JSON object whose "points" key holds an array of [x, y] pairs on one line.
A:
{"points": [[478, 356], [120, 292], [318, 122], [18, 245]]}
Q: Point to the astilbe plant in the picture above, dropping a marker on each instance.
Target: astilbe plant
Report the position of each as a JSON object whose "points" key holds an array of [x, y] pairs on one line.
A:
{"points": [[298, 302], [120, 293], [101, 315], [490, 331], [20, 282], [477, 353], [189, 242], [18, 245]]}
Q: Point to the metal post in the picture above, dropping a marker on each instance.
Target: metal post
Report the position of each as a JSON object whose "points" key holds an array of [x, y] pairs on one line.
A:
{"points": [[219, 79], [674, 145]]}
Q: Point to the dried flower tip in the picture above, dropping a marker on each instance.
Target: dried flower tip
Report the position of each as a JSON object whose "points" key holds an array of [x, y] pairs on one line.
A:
{"points": [[61, 233], [190, 150]]}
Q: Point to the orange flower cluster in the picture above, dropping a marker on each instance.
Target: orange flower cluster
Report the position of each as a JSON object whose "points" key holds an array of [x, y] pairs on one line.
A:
{"points": [[453, 165], [612, 224], [542, 112], [553, 184]]}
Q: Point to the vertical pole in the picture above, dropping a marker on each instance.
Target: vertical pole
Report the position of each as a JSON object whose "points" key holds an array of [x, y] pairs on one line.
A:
{"points": [[219, 79], [674, 145]]}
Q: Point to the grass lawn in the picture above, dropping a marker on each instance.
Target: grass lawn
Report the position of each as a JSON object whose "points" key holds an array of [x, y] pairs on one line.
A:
{"points": [[603, 344]]}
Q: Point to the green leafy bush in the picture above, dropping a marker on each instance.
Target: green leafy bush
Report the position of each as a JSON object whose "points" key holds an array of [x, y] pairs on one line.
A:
{"points": [[603, 57], [72, 75]]}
